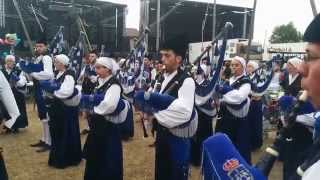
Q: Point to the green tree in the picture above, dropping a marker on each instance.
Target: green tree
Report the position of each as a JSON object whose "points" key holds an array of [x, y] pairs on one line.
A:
{"points": [[285, 34]]}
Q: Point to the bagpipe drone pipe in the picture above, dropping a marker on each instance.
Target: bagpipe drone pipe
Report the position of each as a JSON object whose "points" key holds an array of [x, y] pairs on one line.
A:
{"points": [[262, 77], [133, 69], [221, 160]]}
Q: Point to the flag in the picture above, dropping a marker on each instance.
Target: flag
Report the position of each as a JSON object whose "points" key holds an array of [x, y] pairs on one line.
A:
{"points": [[76, 54], [57, 44]]}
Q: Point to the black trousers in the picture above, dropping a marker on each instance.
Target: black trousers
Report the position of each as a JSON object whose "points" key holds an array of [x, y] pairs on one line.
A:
{"points": [[204, 131]]}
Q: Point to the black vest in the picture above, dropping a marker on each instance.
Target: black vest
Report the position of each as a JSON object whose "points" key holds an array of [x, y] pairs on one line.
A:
{"points": [[8, 76], [103, 89], [239, 82], [87, 85], [175, 83], [63, 76]]}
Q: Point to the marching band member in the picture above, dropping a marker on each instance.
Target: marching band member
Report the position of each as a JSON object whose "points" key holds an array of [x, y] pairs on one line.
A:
{"points": [[103, 148], [234, 108], [41, 69], [310, 82], [18, 82], [296, 146], [63, 109], [292, 81], [175, 114], [206, 112], [255, 115], [88, 79]]}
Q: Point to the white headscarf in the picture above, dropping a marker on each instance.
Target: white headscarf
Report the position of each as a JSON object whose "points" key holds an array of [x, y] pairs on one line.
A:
{"points": [[108, 63], [62, 58], [10, 57], [254, 64], [242, 62]]}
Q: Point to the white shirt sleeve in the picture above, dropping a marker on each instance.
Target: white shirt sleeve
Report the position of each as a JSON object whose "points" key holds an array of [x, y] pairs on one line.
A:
{"points": [[22, 80], [8, 100], [312, 172], [66, 88], [110, 101], [47, 72], [237, 96], [180, 110]]}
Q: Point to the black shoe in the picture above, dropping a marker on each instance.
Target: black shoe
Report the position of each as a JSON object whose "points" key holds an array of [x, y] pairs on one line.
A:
{"points": [[85, 131], [152, 145], [38, 144], [15, 131], [44, 149]]}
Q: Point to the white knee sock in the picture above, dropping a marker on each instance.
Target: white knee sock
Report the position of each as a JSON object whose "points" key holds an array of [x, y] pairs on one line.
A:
{"points": [[43, 138], [47, 137]]}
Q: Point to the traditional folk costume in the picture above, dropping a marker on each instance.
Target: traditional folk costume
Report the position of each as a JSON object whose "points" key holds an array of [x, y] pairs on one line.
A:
{"points": [[63, 107], [18, 82], [234, 109], [127, 84], [177, 123], [88, 79], [103, 148], [206, 113], [297, 145], [255, 115], [173, 108], [41, 69]]}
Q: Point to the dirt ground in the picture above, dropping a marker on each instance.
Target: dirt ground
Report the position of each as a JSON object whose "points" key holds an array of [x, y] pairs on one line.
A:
{"points": [[23, 163]]}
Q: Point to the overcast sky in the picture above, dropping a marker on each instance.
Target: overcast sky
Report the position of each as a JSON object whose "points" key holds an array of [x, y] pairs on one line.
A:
{"points": [[270, 13]]}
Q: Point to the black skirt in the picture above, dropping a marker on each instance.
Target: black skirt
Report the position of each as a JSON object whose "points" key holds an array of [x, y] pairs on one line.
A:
{"points": [[65, 134], [103, 150]]}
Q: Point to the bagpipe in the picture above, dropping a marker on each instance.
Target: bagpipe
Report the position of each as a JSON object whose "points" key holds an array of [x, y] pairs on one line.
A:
{"points": [[151, 102], [221, 160], [226, 161]]}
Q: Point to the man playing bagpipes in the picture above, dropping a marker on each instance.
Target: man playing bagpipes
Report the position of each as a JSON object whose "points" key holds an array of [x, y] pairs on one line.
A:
{"points": [[311, 83], [297, 144], [7, 99], [40, 69], [173, 108]]}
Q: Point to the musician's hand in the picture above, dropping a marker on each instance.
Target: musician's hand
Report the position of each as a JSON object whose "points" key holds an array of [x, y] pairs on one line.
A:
{"points": [[14, 77], [223, 89], [93, 79], [49, 85], [2, 127], [93, 99], [286, 103]]}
